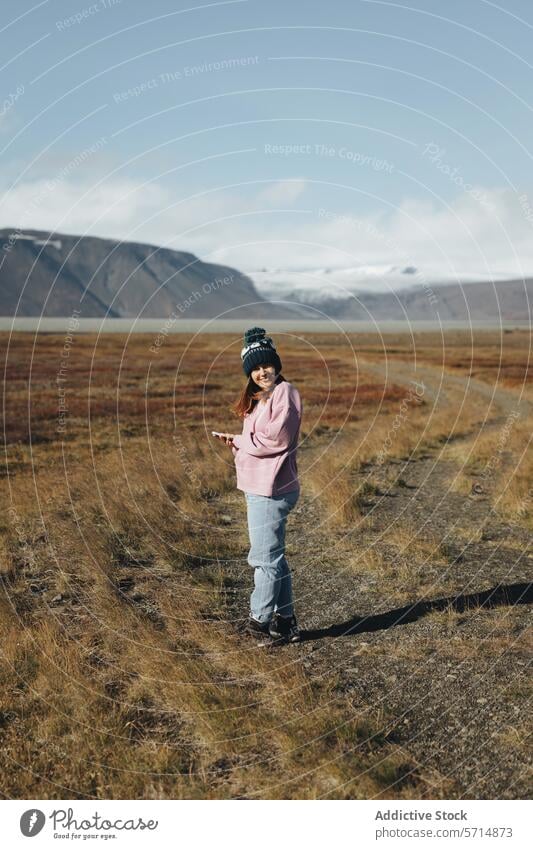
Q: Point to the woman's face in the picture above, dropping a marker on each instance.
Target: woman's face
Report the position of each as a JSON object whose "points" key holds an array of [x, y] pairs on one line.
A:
{"points": [[264, 376]]}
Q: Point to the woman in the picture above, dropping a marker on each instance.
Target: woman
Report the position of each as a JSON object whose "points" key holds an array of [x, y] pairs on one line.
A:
{"points": [[267, 473]]}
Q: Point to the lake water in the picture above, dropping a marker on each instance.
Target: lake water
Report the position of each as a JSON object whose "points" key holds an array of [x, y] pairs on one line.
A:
{"points": [[162, 325]]}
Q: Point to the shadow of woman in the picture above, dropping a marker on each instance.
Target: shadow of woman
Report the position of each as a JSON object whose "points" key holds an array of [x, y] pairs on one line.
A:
{"points": [[498, 596]]}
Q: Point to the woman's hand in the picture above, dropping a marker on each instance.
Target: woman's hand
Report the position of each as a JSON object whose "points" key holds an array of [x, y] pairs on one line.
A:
{"points": [[226, 438]]}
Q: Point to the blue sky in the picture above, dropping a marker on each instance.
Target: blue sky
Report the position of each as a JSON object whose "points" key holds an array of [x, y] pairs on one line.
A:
{"points": [[276, 135]]}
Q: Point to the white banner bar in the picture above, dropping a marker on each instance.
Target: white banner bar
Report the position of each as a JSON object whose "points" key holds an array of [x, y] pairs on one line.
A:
{"points": [[243, 823]]}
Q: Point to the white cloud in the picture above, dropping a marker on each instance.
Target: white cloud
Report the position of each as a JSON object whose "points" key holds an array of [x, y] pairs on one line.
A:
{"points": [[283, 192], [72, 206], [467, 238], [267, 227]]}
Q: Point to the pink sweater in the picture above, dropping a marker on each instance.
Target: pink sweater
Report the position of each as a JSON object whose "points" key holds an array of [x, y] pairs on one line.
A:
{"points": [[265, 451]]}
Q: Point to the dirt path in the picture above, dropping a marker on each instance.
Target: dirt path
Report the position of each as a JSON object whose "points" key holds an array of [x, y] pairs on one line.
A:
{"points": [[435, 640], [441, 385]]}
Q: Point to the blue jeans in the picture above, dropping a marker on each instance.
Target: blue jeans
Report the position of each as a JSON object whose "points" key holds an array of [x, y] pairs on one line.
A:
{"points": [[267, 518]]}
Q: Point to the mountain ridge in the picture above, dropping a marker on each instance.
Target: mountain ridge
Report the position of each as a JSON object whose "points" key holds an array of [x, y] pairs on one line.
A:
{"points": [[50, 274]]}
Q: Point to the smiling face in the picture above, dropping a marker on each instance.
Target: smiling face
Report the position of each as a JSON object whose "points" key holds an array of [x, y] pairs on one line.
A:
{"points": [[264, 376]]}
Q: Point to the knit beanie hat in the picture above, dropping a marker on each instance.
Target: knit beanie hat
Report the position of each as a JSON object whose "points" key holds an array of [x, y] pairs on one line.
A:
{"points": [[258, 349]]}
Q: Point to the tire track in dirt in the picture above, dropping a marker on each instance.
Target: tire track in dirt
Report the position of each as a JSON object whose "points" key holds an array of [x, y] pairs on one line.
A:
{"points": [[439, 383]]}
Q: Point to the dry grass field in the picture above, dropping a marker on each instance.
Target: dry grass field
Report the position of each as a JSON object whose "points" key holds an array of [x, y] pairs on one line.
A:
{"points": [[123, 567]]}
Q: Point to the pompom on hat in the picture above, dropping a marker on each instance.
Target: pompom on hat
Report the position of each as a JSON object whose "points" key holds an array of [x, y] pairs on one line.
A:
{"points": [[258, 348]]}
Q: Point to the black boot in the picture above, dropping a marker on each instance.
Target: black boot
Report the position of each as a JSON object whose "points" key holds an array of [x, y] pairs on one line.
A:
{"points": [[285, 628], [260, 630]]}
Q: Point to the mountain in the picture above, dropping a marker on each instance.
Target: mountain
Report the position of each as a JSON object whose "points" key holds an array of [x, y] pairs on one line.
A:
{"points": [[52, 274], [364, 294], [501, 300]]}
